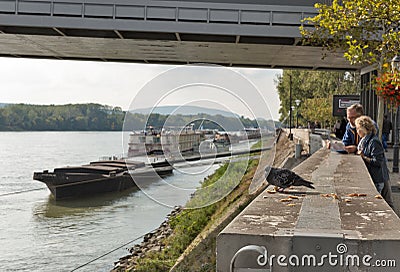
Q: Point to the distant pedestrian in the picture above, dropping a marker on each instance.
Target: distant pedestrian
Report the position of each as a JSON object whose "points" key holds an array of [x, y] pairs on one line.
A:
{"points": [[336, 129], [371, 151], [343, 124], [386, 128]]}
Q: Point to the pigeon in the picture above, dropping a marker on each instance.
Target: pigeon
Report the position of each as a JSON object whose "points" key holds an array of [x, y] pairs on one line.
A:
{"points": [[283, 178]]}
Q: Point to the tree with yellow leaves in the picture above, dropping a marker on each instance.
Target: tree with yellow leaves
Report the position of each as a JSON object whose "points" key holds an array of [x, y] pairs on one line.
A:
{"points": [[315, 90], [367, 31]]}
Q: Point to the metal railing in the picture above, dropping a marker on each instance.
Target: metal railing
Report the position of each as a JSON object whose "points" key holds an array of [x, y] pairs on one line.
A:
{"points": [[202, 12], [262, 259]]}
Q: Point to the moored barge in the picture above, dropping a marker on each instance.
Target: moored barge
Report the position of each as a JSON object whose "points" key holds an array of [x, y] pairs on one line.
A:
{"points": [[100, 177]]}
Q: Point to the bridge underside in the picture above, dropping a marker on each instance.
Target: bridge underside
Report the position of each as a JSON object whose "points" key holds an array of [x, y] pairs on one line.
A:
{"points": [[223, 50], [228, 32]]}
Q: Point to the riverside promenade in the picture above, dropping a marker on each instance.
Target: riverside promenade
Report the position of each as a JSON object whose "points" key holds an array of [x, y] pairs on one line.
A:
{"points": [[342, 225], [394, 180]]}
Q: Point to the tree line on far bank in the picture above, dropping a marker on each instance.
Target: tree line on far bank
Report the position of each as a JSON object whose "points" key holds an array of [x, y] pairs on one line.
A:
{"points": [[70, 117], [96, 117]]}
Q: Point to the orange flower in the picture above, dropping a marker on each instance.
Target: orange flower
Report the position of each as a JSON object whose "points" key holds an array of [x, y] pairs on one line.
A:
{"points": [[388, 87]]}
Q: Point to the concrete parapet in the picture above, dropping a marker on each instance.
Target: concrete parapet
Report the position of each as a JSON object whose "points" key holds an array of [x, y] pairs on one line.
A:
{"points": [[301, 136], [340, 226], [310, 140]]}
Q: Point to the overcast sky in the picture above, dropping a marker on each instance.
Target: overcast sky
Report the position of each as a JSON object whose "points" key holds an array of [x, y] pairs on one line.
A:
{"points": [[38, 81]]}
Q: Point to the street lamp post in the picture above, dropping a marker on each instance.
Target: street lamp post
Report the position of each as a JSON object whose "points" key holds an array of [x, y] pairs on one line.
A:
{"points": [[297, 101], [396, 68], [290, 108]]}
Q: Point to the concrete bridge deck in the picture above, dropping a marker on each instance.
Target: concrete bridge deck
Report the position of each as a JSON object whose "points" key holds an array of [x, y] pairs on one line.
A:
{"points": [[256, 33], [323, 230]]}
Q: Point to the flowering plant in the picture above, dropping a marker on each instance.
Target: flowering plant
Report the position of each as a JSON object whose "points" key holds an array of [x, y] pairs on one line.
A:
{"points": [[388, 87]]}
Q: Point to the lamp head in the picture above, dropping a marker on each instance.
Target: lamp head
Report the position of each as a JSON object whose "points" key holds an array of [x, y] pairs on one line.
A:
{"points": [[395, 64]]}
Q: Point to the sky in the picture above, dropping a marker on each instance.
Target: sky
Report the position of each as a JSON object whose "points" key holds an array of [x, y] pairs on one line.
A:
{"points": [[248, 92]]}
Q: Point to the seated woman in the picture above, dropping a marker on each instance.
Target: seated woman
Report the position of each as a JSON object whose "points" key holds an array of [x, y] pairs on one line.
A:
{"points": [[372, 152]]}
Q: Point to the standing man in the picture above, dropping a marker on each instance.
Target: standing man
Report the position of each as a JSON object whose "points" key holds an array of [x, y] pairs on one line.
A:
{"points": [[351, 140], [350, 137], [337, 130], [386, 128]]}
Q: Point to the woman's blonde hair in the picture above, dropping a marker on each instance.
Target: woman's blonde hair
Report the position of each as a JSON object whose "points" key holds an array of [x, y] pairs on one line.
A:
{"points": [[366, 123]]}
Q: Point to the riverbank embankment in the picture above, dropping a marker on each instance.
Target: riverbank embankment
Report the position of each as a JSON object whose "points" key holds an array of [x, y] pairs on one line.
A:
{"points": [[186, 240]]}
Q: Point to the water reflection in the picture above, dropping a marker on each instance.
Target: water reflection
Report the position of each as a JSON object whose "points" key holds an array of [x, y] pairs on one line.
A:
{"points": [[51, 208]]}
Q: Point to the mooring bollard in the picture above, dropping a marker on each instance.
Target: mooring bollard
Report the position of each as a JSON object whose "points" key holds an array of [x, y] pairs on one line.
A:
{"points": [[297, 153]]}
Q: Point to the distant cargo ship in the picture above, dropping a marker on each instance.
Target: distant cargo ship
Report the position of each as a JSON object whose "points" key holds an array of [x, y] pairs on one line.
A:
{"points": [[164, 141], [100, 177]]}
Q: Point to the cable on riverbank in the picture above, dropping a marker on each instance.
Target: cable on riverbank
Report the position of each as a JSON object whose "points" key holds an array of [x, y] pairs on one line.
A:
{"points": [[111, 251]]}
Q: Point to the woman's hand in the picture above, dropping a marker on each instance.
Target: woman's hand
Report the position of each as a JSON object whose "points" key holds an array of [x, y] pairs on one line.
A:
{"points": [[351, 148], [365, 158]]}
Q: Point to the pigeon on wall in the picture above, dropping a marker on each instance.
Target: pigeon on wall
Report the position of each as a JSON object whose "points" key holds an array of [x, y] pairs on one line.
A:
{"points": [[283, 178]]}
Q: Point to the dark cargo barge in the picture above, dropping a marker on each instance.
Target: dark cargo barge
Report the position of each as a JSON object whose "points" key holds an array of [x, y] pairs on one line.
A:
{"points": [[100, 177]]}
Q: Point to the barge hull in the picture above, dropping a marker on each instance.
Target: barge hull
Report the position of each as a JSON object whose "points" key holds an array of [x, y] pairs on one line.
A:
{"points": [[64, 184]]}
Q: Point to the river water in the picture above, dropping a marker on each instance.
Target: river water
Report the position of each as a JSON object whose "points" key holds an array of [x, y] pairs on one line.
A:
{"points": [[39, 234]]}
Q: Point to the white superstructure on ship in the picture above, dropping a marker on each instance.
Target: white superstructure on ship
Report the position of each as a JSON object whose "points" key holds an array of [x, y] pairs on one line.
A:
{"points": [[164, 141]]}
